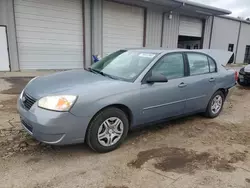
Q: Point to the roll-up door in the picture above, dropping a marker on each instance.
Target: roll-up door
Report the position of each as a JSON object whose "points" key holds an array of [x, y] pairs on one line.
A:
{"points": [[190, 26], [122, 26], [49, 33]]}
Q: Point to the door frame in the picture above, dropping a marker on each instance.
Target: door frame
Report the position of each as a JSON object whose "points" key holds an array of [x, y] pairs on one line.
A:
{"points": [[7, 45], [186, 65]]}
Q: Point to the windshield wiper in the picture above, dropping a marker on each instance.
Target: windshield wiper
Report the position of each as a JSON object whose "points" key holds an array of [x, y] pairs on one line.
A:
{"points": [[101, 73]]}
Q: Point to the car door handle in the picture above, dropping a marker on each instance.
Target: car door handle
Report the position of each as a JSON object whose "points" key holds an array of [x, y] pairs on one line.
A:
{"points": [[181, 85], [211, 79]]}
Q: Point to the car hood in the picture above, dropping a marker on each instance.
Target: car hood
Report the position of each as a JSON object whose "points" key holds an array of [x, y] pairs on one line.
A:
{"points": [[247, 68], [73, 82]]}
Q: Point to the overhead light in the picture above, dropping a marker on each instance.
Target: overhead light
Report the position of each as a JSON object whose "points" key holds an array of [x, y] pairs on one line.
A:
{"points": [[170, 16]]}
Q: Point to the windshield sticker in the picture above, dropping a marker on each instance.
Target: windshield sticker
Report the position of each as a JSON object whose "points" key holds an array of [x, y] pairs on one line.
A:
{"points": [[148, 55]]}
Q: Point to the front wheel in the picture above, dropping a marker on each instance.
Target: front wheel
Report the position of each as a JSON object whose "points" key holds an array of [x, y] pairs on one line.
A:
{"points": [[215, 105], [107, 130]]}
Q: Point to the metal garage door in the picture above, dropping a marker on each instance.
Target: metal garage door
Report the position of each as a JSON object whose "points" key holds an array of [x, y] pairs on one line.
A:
{"points": [[122, 26], [49, 34], [190, 26]]}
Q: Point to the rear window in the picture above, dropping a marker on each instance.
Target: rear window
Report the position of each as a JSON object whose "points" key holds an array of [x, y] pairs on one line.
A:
{"points": [[198, 64]]}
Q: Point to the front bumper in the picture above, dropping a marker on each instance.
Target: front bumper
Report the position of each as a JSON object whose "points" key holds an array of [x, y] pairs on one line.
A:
{"points": [[57, 128], [244, 78]]}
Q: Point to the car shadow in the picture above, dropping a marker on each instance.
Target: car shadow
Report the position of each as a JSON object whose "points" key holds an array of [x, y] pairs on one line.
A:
{"points": [[156, 127], [133, 135], [243, 87]]}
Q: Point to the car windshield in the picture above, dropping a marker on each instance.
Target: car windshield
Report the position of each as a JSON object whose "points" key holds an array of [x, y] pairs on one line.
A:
{"points": [[124, 64]]}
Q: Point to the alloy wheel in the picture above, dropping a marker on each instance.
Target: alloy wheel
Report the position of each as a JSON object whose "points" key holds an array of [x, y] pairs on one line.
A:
{"points": [[216, 104]]}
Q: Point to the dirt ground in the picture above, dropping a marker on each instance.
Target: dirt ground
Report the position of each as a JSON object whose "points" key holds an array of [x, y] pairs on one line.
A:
{"points": [[193, 152]]}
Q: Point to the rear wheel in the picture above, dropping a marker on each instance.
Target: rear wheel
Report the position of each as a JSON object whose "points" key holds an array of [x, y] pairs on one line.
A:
{"points": [[215, 105], [107, 130]]}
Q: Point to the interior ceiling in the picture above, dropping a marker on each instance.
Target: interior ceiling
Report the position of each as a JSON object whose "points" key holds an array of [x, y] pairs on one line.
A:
{"points": [[188, 38]]}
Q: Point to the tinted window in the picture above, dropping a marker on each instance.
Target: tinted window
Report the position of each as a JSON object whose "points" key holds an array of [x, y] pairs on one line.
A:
{"points": [[212, 65], [198, 63], [171, 66]]}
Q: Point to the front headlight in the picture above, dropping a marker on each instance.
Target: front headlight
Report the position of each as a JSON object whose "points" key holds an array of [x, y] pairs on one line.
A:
{"points": [[58, 103]]}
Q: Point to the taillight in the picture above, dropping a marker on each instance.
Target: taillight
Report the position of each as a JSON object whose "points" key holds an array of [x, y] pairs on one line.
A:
{"points": [[236, 75]]}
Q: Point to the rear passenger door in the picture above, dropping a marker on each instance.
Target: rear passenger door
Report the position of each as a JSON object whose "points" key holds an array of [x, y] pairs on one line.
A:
{"points": [[200, 82]]}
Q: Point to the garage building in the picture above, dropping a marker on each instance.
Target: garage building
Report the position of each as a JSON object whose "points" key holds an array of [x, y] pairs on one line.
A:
{"points": [[64, 34]]}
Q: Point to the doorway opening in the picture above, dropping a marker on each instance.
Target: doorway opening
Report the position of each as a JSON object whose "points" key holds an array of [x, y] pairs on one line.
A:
{"points": [[189, 42]]}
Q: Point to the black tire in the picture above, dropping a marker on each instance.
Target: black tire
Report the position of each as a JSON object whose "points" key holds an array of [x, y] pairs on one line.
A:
{"points": [[92, 133], [209, 112]]}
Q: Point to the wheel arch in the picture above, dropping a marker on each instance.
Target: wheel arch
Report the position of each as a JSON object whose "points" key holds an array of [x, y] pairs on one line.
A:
{"points": [[122, 107], [224, 91]]}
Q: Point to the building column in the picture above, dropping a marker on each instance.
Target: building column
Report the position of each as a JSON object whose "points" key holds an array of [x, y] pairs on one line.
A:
{"points": [[97, 27], [87, 32], [207, 32]]}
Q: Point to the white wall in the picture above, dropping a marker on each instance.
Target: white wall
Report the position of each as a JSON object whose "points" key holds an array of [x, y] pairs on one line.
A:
{"points": [[225, 32], [243, 41]]}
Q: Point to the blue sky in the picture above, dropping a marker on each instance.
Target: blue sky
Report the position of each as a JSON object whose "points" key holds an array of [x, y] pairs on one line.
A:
{"points": [[238, 7]]}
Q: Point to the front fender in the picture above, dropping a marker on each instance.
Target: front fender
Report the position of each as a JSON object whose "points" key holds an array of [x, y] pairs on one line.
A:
{"points": [[129, 99]]}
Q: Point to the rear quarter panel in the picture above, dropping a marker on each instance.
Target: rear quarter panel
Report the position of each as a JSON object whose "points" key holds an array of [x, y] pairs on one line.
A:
{"points": [[226, 78]]}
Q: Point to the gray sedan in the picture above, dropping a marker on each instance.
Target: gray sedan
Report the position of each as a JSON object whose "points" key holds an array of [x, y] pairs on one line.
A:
{"points": [[126, 89]]}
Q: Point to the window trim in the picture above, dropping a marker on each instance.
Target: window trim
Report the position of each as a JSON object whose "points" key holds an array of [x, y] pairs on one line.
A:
{"points": [[164, 55], [209, 64], [200, 53]]}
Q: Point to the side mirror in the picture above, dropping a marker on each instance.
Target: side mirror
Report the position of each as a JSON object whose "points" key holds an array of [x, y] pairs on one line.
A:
{"points": [[156, 78]]}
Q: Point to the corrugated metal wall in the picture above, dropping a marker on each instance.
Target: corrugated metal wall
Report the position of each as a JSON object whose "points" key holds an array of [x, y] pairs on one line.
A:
{"points": [[207, 32], [225, 32], [171, 31], [154, 28], [244, 40]]}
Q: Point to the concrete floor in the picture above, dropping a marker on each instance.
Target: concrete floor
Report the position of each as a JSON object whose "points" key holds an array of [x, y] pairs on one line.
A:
{"points": [[192, 152]]}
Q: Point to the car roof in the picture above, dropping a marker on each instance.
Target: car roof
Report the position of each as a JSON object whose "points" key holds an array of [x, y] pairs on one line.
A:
{"points": [[220, 56], [160, 50]]}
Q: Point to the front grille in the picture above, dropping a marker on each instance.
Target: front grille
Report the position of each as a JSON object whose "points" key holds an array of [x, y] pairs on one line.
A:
{"points": [[27, 125], [28, 101]]}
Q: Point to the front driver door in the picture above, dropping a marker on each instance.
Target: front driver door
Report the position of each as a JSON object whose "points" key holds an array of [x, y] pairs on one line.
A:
{"points": [[162, 100]]}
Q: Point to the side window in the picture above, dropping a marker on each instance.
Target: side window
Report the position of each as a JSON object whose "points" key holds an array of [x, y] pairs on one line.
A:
{"points": [[212, 65], [198, 63], [171, 66], [231, 47]]}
